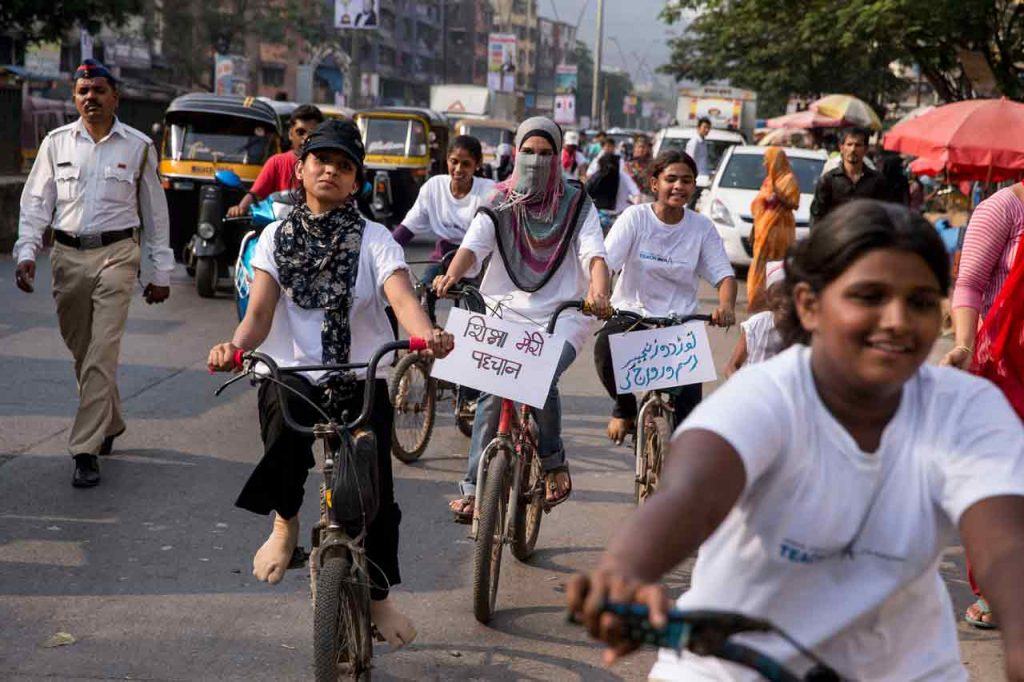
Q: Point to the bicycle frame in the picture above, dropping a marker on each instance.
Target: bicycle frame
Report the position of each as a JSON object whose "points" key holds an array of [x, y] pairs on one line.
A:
{"points": [[511, 434]]}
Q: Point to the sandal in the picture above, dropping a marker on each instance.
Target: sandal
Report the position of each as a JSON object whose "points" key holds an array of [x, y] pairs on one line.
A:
{"points": [[982, 609], [462, 508], [551, 498]]}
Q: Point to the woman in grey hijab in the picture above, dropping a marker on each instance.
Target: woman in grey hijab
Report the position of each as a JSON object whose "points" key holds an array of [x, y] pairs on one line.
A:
{"points": [[550, 249]]}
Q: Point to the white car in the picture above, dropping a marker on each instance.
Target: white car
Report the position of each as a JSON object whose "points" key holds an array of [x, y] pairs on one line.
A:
{"points": [[677, 137], [734, 186]]}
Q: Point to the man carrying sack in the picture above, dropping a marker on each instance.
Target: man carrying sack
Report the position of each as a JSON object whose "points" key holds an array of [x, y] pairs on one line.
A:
{"points": [[95, 182]]}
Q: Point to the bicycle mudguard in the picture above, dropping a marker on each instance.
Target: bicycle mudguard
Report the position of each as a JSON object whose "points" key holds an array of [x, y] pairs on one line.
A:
{"points": [[355, 497]]}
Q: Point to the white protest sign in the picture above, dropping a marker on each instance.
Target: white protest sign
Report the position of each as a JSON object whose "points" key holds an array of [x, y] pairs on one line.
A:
{"points": [[655, 359], [514, 361]]}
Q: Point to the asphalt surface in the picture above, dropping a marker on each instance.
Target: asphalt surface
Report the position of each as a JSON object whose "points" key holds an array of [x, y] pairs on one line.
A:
{"points": [[150, 572]]}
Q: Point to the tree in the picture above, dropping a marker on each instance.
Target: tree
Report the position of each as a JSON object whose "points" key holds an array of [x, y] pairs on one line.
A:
{"points": [[811, 47], [584, 79], [779, 48], [33, 21]]}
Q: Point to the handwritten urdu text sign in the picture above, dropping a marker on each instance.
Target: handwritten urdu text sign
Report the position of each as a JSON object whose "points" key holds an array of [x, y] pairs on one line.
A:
{"points": [[655, 359], [514, 361]]}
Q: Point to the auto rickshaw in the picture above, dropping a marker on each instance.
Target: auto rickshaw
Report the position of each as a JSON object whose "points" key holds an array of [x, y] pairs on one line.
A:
{"points": [[491, 132], [404, 147], [204, 137]]}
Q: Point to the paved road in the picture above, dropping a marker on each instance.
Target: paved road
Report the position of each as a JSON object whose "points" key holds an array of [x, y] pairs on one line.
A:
{"points": [[150, 572]]}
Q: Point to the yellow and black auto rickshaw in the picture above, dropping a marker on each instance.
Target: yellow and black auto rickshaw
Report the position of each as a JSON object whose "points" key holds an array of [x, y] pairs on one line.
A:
{"points": [[491, 132], [213, 148], [404, 147]]}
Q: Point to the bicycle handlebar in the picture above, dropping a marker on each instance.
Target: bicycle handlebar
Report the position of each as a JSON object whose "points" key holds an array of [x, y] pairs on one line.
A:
{"points": [[657, 321], [252, 358], [706, 632]]}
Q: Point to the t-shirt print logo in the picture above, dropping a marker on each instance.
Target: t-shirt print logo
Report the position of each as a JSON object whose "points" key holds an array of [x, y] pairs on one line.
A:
{"points": [[797, 553], [647, 255]]}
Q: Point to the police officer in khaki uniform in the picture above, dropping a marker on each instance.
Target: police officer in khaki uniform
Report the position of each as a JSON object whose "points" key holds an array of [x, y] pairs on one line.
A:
{"points": [[95, 182]]}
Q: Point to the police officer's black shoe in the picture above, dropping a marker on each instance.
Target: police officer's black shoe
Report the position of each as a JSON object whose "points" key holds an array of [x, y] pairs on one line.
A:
{"points": [[108, 443], [87, 471]]}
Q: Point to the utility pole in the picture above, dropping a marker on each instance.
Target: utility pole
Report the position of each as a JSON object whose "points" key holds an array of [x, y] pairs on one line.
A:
{"points": [[595, 98]]}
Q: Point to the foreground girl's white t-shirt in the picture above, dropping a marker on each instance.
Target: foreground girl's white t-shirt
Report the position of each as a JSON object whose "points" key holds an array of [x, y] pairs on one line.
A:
{"points": [[569, 282], [661, 263], [437, 210], [294, 337], [882, 612]]}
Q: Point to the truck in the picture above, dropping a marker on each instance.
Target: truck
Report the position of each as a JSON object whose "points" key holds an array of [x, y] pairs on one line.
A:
{"points": [[728, 108], [475, 101]]}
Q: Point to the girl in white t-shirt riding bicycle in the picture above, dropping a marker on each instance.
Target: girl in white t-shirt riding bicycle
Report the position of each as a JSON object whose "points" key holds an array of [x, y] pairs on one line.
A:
{"points": [[323, 277], [823, 485], [661, 252], [759, 338]]}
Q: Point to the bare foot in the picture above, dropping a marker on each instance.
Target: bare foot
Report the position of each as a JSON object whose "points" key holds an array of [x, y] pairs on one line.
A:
{"points": [[392, 624], [273, 557], [618, 429]]}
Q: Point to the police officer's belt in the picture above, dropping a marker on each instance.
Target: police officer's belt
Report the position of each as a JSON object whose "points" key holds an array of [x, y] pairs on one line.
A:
{"points": [[92, 241]]}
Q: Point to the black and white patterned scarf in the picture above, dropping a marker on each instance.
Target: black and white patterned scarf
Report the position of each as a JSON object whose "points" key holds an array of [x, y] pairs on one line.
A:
{"points": [[317, 261]]}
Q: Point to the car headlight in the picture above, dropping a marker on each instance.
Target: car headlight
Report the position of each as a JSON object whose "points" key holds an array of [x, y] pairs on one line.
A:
{"points": [[206, 230], [720, 214]]}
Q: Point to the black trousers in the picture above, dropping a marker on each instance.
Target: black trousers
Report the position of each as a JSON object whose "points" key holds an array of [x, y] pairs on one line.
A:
{"points": [[684, 398], [278, 482]]}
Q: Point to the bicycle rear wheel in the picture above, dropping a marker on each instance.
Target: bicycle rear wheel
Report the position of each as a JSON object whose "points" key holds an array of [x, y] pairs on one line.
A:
{"points": [[490, 534], [529, 509], [651, 455], [413, 394], [342, 639]]}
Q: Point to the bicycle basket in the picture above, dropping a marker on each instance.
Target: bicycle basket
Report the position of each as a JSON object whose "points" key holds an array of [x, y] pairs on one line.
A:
{"points": [[355, 497]]}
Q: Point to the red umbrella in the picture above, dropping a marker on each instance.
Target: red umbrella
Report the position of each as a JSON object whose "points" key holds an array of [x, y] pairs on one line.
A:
{"points": [[979, 139], [804, 119]]}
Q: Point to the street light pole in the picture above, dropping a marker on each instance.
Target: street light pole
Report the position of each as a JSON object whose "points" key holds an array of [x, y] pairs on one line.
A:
{"points": [[595, 98]]}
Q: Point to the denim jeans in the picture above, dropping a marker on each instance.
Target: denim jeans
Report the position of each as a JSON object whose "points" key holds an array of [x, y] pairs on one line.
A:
{"points": [[549, 425]]}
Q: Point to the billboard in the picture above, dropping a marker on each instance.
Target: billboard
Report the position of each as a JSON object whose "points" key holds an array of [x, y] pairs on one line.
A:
{"points": [[501, 62], [357, 14], [565, 79], [231, 74], [565, 109]]}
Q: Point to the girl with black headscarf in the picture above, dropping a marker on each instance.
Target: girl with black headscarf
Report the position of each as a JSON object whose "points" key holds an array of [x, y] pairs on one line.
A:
{"points": [[323, 277], [550, 249]]}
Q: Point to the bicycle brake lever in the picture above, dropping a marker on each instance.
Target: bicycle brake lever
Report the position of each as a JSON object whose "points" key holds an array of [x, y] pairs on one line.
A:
{"points": [[239, 377]]}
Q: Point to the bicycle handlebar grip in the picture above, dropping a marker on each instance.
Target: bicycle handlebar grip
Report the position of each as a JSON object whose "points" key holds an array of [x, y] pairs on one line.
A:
{"points": [[416, 343], [238, 359]]}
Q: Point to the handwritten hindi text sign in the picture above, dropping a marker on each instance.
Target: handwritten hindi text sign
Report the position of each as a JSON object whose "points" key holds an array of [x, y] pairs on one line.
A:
{"points": [[514, 361], [654, 359]]}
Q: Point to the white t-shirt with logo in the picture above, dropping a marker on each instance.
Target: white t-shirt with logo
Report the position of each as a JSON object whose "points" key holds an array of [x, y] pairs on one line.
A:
{"points": [[294, 337], [879, 611], [763, 339], [660, 263], [438, 212]]}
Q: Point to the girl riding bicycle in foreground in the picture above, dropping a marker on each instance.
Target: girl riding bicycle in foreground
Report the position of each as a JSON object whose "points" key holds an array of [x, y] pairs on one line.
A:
{"points": [[337, 272], [663, 251], [822, 485], [550, 249]]}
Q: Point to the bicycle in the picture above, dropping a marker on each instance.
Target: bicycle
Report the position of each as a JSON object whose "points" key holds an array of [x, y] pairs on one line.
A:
{"points": [[339, 581], [655, 417], [415, 394], [708, 632], [510, 504]]}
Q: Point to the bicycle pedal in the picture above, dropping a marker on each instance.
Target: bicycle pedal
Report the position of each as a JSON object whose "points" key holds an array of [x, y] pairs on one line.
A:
{"points": [[299, 558]]}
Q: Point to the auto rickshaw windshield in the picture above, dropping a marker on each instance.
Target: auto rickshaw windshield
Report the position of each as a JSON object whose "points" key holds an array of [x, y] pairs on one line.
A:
{"points": [[395, 137], [489, 137], [219, 140]]}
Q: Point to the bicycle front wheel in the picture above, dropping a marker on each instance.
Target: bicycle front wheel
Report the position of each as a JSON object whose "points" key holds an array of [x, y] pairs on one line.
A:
{"points": [[651, 455], [342, 639], [529, 509], [413, 394], [490, 534]]}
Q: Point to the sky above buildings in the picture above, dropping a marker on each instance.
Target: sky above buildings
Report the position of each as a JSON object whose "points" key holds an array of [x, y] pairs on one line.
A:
{"points": [[643, 38]]}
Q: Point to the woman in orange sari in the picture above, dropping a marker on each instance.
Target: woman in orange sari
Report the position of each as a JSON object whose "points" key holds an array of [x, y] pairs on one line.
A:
{"points": [[774, 223]]}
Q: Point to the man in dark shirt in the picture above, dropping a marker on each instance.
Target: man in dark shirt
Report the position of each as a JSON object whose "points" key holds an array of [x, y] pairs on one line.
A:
{"points": [[851, 179]]}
